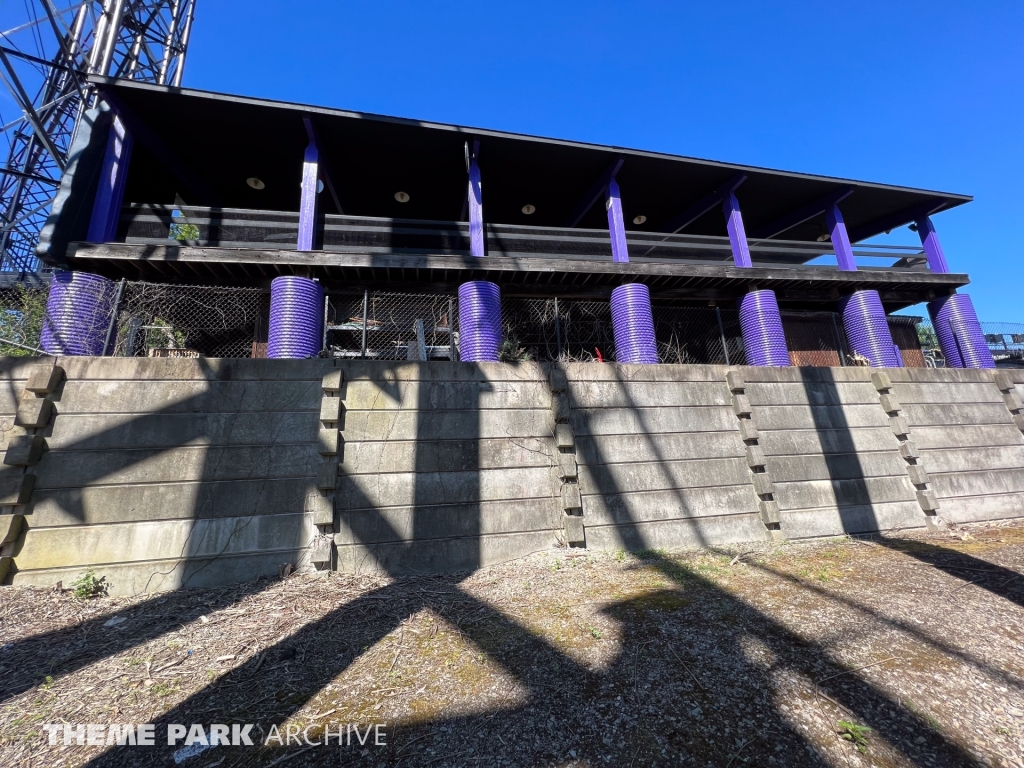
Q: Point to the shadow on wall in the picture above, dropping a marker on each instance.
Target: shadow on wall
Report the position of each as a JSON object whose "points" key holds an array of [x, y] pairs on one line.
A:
{"points": [[559, 689]]}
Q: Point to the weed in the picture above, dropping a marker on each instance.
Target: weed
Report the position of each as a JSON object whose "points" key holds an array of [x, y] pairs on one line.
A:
{"points": [[555, 566], [857, 734], [595, 632], [163, 689], [47, 683], [621, 555], [87, 586]]}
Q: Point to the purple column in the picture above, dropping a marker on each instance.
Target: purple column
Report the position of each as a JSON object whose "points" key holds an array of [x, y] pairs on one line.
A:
{"points": [[932, 246], [106, 209], [737, 234], [307, 207], [479, 300], [632, 320], [840, 240], [77, 314], [760, 320], [296, 317]]}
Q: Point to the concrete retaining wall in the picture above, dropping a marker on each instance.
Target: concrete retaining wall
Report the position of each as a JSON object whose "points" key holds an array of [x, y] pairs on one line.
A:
{"points": [[159, 473]]}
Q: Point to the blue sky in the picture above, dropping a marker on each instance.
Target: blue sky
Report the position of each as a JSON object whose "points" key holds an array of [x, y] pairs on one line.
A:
{"points": [[920, 94]]}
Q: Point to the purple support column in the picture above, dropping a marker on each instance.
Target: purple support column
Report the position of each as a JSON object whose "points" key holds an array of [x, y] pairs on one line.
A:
{"points": [[737, 234], [310, 174], [77, 314], [296, 318], [760, 321], [956, 324], [840, 240], [632, 321], [479, 300], [106, 209]]}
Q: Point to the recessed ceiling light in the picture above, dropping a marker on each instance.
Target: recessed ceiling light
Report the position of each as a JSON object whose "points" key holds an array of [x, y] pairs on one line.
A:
{"points": [[640, 219], [528, 209], [255, 183], [402, 197], [823, 238]]}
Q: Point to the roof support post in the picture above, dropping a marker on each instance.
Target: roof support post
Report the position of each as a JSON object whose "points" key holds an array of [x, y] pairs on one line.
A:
{"points": [[106, 209], [616, 224], [476, 205], [310, 175], [840, 239], [932, 246], [737, 234]]}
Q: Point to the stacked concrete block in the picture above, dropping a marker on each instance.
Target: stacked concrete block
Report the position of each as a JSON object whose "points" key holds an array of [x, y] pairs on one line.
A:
{"points": [[25, 446], [565, 460], [908, 451], [320, 503], [756, 461], [968, 434]]}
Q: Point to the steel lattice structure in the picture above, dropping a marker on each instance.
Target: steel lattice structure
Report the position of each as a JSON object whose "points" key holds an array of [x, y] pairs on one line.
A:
{"points": [[46, 54]]}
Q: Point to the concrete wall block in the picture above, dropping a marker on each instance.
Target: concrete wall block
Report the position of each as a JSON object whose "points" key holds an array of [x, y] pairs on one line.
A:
{"points": [[769, 512], [1004, 381], [869, 518], [5, 566], [928, 501], [158, 430], [1018, 421], [814, 442], [200, 397], [881, 381], [557, 380], [677, 533], [918, 474], [967, 436], [821, 417], [908, 450], [941, 375], [648, 394], [956, 414], [391, 372], [608, 449], [740, 405], [571, 498], [762, 483], [327, 441], [734, 380], [651, 421], [10, 528], [560, 407], [975, 459], [44, 378], [567, 467], [1013, 403], [24, 450], [755, 456], [939, 393], [627, 508], [748, 429], [327, 475], [16, 487], [617, 372], [972, 509], [899, 425], [446, 455], [184, 369], [332, 381], [451, 425], [812, 392], [836, 466], [564, 437], [574, 533], [320, 508], [394, 490], [985, 483], [331, 411], [445, 395], [320, 551], [890, 403], [658, 475], [34, 412], [78, 469], [814, 494]]}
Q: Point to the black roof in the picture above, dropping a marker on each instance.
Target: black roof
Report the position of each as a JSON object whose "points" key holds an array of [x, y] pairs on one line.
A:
{"points": [[203, 146]]}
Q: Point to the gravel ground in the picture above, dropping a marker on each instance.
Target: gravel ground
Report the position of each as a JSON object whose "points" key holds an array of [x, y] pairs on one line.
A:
{"points": [[777, 656]]}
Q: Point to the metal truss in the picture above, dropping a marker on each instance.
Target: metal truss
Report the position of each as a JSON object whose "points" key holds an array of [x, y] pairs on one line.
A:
{"points": [[47, 50]]}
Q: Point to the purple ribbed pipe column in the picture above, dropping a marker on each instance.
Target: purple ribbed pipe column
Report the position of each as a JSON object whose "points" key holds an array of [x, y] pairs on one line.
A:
{"points": [[760, 321], [867, 329], [632, 321], [106, 209], [479, 300], [310, 176], [296, 318], [77, 314], [959, 332]]}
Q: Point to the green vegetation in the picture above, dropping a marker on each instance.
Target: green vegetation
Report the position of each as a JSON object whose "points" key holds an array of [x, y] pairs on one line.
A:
{"points": [[856, 734], [88, 586], [926, 335], [21, 320], [511, 352], [184, 232]]}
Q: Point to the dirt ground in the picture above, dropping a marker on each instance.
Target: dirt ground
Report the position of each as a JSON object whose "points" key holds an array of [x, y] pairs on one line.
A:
{"points": [[778, 656]]}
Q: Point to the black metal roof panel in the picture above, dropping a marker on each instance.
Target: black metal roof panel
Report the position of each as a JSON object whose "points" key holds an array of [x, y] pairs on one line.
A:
{"points": [[219, 141]]}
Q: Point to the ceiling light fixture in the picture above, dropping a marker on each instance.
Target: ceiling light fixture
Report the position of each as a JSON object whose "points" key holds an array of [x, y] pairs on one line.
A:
{"points": [[528, 209], [402, 197], [823, 238], [255, 183], [639, 219]]}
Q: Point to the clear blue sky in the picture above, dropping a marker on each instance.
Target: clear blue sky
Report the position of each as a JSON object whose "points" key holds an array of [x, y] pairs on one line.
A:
{"points": [[920, 94]]}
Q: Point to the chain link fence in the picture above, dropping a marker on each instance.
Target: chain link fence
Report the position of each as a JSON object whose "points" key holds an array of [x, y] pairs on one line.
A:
{"points": [[378, 325], [22, 309]]}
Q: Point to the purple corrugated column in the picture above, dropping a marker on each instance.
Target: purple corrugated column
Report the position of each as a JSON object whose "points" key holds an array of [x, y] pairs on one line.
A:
{"points": [[307, 207], [479, 300], [632, 321], [77, 314], [296, 318], [864, 319], [106, 209], [956, 324], [760, 321]]}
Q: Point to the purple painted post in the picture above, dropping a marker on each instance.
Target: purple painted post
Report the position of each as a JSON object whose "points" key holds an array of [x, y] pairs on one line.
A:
{"points": [[840, 240], [479, 300], [960, 336], [616, 224], [737, 234], [77, 314], [310, 173], [106, 210], [476, 205], [932, 246]]}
